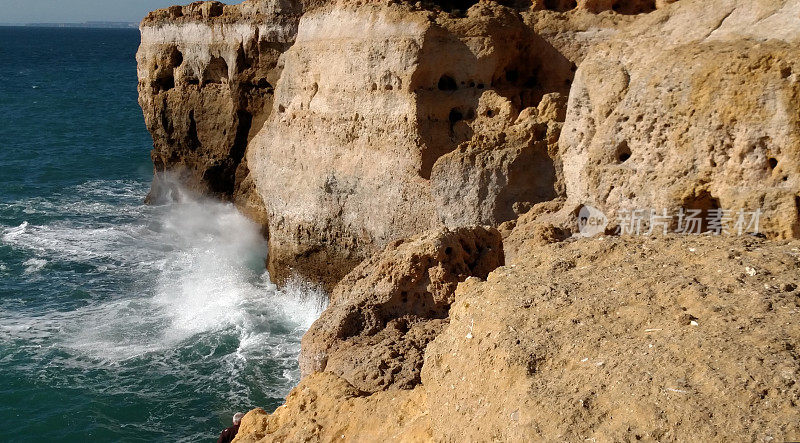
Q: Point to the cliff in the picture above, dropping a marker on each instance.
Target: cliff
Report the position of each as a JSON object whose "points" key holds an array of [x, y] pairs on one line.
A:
{"points": [[206, 75], [612, 339], [373, 139]]}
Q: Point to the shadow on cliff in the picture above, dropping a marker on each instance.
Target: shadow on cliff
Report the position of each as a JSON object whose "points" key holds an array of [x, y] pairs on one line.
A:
{"points": [[449, 84]]}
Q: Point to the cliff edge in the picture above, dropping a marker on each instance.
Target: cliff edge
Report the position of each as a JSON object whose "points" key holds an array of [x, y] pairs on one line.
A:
{"points": [[434, 164]]}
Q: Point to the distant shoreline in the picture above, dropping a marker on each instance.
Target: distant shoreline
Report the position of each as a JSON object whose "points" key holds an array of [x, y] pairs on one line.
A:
{"points": [[85, 25]]}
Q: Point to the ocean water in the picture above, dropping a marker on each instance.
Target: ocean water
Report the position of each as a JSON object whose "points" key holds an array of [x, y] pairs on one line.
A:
{"points": [[121, 321]]}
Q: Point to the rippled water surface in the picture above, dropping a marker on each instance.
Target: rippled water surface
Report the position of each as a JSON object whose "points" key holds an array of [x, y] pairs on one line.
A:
{"points": [[120, 321]]}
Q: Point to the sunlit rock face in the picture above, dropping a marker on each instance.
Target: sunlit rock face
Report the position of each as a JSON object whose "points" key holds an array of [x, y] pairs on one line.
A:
{"points": [[694, 106], [363, 143], [206, 75]]}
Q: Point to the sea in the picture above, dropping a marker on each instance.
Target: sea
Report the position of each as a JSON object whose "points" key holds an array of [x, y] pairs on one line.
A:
{"points": [[121, 321]]}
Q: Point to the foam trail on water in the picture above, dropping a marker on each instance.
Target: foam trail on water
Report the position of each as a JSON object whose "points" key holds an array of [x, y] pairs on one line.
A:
{"points": [[181, 286]]}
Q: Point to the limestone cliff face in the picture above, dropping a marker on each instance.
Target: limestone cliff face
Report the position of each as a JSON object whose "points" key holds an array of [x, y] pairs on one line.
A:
{"points": [[361, 146], [206, 76], [365, 123], [693, 107], [385, 133]]}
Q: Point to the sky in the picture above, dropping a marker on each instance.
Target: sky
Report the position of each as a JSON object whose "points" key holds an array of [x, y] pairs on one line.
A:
{"points": [[78, 11]]}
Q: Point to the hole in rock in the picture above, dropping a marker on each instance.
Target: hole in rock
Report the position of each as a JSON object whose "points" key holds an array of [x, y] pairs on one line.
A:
{"points": [[457, 7], [177, 58], [512, 76], [455, 116], [623, 152], [773, 163], [164, 83], [531, 83], [447, 83], [706, 203], [560, 5], [192, 138], [216, 72], [165, 75], [242, 133]]}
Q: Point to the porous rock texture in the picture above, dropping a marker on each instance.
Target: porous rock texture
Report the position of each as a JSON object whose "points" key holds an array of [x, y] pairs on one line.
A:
{"points": [[206, 74], [326, 408], [355, 152], [385, 312], [379, 121], [692, 106], [364, 122], [610, 339]]}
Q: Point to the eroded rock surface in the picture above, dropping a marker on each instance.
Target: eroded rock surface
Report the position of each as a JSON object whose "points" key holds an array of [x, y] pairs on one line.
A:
{"points": [[621, 339], [389, 120], [385, 312], [696, 107], [612, 339], [206, 75], [354, 154], [323, 399]]}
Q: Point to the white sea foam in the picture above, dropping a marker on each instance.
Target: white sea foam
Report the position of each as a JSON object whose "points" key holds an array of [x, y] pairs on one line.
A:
{"points": [[34, 265], [9, 234], [198, 273]]}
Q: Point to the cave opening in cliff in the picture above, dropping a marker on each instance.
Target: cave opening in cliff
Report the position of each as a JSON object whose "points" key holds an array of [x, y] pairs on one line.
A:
{"points": [[458, 7], [455, 116], [242, 134], [164, 83], [216, 71], [192, 138], [560, 5], [447, 83], [629, 7], [707, 204]]}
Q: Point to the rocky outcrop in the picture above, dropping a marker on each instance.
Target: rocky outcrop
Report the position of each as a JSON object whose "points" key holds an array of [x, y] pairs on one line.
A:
{"points": [[355, 153], [323, 399], [613, 339], [391, 120], [490, 179], [419, 118], [206, 80], [694, 107], [385, 312]]}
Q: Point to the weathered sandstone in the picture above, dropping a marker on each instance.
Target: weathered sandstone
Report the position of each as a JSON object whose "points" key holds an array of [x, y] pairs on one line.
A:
{"points": [[354, 154], [612, 339], [693, 106], [417, 118], [379, 121], [324, 399], [206, 75], [385, 312]]}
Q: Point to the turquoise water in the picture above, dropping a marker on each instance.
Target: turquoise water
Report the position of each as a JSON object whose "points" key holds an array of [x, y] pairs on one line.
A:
{"points": [[120, 321]]}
